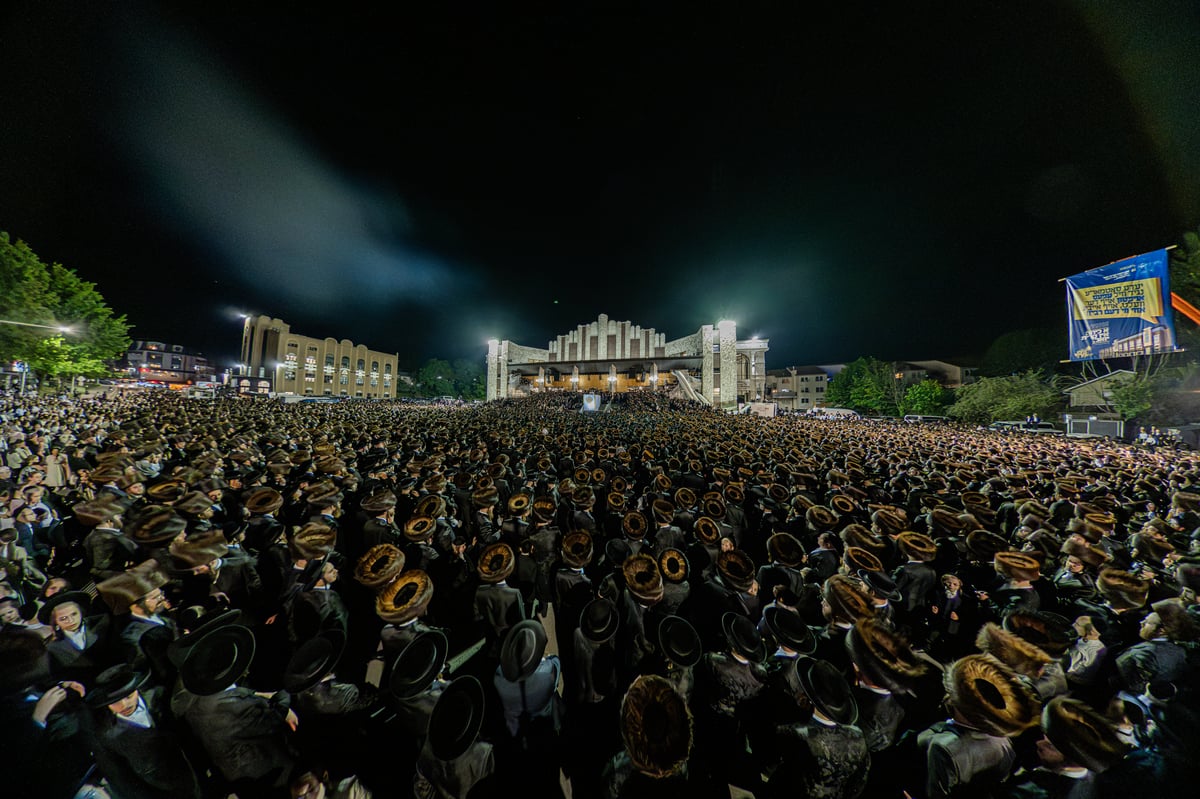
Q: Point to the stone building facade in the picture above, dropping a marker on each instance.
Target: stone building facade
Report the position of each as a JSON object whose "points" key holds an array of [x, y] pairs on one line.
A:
{"points": [[307, 366], [611, 356]]}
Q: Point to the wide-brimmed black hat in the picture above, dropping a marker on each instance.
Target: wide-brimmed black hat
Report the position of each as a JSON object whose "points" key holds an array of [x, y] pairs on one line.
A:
{"points": [[790, 630], [45, 613], [197, 626], [114, 684], [217, 660], [599, 620], [456, 718], [743, 637], [418, 664], [313, 660], [881, 585], [522, 650], [679, 641], [828, 691]]}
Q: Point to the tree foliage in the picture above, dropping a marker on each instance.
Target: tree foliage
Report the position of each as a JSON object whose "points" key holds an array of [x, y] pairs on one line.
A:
{"points": [[1021, 350], [54, 295], [927, 398], [1133, 397], [866, 385], [1007, 398], [440, 378]]}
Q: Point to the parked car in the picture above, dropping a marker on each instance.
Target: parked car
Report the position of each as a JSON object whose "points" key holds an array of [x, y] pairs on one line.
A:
{"points": [[917, 418], [1042, 428]]}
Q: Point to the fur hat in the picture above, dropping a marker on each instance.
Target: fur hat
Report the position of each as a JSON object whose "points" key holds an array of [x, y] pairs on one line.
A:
{"points": [[984, 545], [263, 500], [889, 520], [166, 491], [193, 504], [1123, 590], [883, 657], [96, 511], [855, 535], [155, 524], [785, 548], [544, 508], [380, 565], [419, 528], [1091, 555], [404, 598], [485, 497], [857, 558], [847, 602], [736, 569], [673, 565], [198, 550], [707, 530], [643, 577], [663, 511], [989, 696], [496, 563], [379, 502], [577, 549], [1083, 736], [1017, 565], [656, 727], [312, 541], [1012, 650], [121, 591], [634, 525], [1049, 632], [916, 546], [820, 517]]}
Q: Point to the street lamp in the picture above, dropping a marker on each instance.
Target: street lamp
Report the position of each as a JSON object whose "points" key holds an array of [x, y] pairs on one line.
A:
{"points": [[64, 329]]}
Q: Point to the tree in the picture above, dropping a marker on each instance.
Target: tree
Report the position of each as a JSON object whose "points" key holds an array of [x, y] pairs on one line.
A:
{"points": [[1007, 398], [468, 379], [436, 379], [1022, 350], [1133, 397], [866, 385], [51, 296], [926, 397]]}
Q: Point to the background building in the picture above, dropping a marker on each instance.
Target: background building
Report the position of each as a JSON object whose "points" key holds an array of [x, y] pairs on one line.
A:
{"points": [[608, 356], [276, 359], [166, 363], [797, 388]]}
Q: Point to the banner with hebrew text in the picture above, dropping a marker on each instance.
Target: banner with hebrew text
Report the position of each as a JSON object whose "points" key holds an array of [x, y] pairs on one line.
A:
{"points": [[1121, 309]]}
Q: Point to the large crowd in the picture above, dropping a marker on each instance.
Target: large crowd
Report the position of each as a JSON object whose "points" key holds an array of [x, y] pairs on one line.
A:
{"points": [[204, 598]]}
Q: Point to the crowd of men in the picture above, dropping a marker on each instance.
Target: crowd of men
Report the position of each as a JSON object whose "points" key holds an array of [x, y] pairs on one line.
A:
{"points": [[213, 597]]}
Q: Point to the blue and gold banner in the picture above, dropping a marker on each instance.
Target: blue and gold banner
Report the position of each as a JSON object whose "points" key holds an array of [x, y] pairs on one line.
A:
{"points": [[1121, 309]]}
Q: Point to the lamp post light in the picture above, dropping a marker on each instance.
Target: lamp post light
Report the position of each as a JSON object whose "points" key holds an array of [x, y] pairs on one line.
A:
{"points": [[64, 329]]}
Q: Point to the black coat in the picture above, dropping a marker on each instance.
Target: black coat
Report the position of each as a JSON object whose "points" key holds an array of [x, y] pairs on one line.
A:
{"points": [[141, 762], [244, 734]]}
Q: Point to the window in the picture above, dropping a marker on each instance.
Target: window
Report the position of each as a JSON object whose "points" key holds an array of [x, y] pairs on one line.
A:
{"points": [[177, 363], [345, 379], [345, 361]]}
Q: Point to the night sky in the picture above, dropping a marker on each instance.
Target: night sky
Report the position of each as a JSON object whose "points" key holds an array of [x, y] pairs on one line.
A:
{"points": [[906, 181]]}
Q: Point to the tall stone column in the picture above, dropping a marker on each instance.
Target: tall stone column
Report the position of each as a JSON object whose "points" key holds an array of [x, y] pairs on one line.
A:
{"points": [[706, 363], [503, 369], [727, 340], [493, 369]]}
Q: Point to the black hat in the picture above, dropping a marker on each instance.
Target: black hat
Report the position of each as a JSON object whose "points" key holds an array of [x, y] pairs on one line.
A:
{"points": [[881, 585], [217, 660], [456, 718], [114, 684], [313, 659], [419, 664], [743, 636], [828, 691], [522, 651], [45, 613], [599, 621], [679, 641], [790, 630]]}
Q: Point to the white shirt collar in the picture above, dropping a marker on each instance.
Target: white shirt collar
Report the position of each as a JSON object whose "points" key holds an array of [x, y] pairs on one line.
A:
{"points": [[78, 638]]}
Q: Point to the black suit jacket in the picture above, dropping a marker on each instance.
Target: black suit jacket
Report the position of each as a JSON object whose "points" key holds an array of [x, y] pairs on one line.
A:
{"points": [[244, 734], [144, 763], [82, 665]]}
